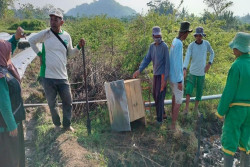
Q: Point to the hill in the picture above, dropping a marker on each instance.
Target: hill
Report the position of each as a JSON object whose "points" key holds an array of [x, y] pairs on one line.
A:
{"points": [[109, 7]]}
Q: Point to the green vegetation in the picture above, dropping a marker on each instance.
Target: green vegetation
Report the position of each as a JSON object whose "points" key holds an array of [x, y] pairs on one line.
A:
{"points": [[114, 50], [32, 25]]}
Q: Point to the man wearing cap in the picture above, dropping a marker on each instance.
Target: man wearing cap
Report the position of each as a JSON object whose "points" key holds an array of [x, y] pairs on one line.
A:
{"points": [[197, 51], [158, 54], [56, 47], [235, 104], [176, 70]]}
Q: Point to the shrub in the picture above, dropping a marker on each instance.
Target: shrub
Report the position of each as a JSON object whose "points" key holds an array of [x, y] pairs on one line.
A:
{"points": [[32, 25]]}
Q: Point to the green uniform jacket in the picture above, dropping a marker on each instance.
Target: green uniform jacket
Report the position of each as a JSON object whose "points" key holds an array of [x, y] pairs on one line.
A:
{"points": [[5, 104], [237, 88]]}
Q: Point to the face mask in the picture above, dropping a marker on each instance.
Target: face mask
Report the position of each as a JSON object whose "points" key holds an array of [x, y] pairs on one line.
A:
{"points": [[157, 40]]}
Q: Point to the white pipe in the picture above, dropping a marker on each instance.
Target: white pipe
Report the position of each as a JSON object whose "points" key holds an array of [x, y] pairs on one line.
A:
{"points": [[166, 102]]}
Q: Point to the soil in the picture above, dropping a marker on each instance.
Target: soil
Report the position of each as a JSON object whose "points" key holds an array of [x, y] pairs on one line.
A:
{"points": [[65, 150]]}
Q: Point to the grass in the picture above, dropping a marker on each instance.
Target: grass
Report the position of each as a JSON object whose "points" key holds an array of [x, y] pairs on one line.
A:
{"points": [[143, 146]]}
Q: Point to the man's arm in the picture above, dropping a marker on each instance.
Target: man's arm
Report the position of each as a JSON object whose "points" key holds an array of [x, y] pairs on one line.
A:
{"points": [[211, 57], [187, 59], [177, 63], [146, 60], [211, 51], [71, 50], [38, 38], [229, 90], [167, 64]]}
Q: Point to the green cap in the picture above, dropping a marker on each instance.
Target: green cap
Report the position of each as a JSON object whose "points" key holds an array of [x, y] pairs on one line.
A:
{"points": [[241, 42]]}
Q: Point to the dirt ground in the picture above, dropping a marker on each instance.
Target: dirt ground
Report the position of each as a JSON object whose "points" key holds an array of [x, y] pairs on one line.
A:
{"points": [[65, 150]]}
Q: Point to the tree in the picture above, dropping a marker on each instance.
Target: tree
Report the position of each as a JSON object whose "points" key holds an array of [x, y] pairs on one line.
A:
{"points": [[161, 7], [165, 7], [4, 4], [28, 11], [219, 6]]}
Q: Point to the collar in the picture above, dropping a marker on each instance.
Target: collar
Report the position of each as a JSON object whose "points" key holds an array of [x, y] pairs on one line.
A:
{"points": [[199, 43], [61, 32], [247, 55], [159, 43]]}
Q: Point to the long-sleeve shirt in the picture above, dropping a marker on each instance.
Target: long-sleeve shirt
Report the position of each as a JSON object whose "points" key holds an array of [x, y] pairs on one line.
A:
{"points": [[54, 54], [5, 107], [159, 55], [198, 55], [176, 61], [237, 86], [5, 103]]}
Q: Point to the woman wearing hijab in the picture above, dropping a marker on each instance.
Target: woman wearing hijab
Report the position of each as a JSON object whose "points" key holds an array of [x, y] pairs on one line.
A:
{"points": [[11, 129]]}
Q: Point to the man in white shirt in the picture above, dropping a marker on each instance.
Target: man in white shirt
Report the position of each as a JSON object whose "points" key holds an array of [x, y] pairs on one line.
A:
{"points": [[56, 47], [197, 52]]}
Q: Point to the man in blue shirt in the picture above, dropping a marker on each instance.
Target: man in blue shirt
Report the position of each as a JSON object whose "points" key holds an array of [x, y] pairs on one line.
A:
{"points": [[176, 70], [197, 51], [159, 55]]}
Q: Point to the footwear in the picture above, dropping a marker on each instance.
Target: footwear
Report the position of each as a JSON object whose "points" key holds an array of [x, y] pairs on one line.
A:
{"points": [[173, 127], [185, 111], [57, 129], [228, 160], [158, 124], [70, 128], [244, 159], [198, 112]]}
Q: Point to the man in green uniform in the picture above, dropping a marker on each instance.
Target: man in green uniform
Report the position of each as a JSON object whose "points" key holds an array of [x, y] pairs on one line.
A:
{"points": [[235, 104]]}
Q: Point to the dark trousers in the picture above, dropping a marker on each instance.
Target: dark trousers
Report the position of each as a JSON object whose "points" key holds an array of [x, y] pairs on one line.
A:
{"points": [[158, 97], [12, 153], [52, 87]]}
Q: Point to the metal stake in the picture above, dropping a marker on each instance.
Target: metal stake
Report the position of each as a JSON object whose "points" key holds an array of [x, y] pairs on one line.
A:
{"points": [[196, 160], [86, 91]]}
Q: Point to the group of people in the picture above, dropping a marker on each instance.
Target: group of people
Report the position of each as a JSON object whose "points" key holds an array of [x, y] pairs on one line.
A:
{"points": [[234, 105], [169, 66], [57, 46]]}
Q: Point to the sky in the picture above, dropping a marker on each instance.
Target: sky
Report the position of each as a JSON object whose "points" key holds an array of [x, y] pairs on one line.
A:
{"points": [[240, 7]]}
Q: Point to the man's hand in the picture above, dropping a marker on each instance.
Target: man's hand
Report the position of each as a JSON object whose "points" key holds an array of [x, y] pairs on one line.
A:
{"points": [[163, 84], [207, 68], [81, 43], [135, 75], [19, 33], [13, 133], [185, 72], [180, 86]]}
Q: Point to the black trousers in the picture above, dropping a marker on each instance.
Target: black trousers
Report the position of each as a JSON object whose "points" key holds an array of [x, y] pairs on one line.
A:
{"points": [[158, 97]]}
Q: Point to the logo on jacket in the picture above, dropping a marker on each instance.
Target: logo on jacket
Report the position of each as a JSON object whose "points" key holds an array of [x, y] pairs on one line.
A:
{"points": [[66, 42]]}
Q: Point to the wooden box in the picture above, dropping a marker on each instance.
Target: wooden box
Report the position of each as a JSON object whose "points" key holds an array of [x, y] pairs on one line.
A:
{"points": [[134, 98], [125, 103]]}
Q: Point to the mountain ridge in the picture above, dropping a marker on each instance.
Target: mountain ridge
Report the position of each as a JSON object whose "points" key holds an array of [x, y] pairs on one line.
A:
{"points": [[109, 7]]}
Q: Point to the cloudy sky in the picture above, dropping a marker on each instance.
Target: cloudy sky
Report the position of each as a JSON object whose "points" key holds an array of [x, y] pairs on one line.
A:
{"points": [[240, 7]]}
